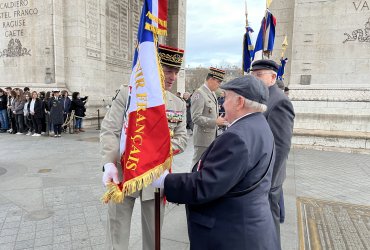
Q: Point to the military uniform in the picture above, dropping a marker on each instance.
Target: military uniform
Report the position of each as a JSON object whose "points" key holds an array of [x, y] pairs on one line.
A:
{"points": [[204, 112], [119, 215]]}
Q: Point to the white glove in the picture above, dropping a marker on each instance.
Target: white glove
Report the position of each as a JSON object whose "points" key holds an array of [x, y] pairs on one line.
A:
{"points": [[110, 172], [159, 183]]}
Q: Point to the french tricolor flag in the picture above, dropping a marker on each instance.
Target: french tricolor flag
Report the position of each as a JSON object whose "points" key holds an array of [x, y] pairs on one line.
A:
{"points": [[145, 140], [266, 36]]}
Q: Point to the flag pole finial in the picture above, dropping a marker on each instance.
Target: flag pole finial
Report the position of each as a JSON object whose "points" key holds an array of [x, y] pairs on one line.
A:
{"points": [[268, 3], [284, 46]]}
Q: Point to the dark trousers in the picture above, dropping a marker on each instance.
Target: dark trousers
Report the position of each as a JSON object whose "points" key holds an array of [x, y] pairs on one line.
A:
{"points": [[13, 123], [19, 122], [28, 122], [274, 199], [43, 124], [58, 129], [37, 124]]}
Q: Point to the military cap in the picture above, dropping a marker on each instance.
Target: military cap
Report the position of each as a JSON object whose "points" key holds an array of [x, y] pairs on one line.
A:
{"points": [[170, 56], [265, 64], [216, 73], [56, 90], [249, 87]]}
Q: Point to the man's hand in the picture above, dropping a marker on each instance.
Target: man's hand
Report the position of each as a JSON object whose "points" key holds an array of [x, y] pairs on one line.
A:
{"points": [[159, 183], [110, 173], [220, 121]]}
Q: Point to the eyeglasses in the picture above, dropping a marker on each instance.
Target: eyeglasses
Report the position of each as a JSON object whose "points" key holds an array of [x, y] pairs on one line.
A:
{"points": [[259, 74]]}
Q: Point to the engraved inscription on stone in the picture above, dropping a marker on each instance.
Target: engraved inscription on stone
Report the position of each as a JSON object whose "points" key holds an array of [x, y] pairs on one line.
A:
{"points": [[114, 54], [333, 225], [123, 19], [93, 29], [124, 29], [14, 17], [135, 19]]}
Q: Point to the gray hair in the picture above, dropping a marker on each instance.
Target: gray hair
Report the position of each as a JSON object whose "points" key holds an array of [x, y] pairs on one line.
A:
{"points": [[258, 107]]}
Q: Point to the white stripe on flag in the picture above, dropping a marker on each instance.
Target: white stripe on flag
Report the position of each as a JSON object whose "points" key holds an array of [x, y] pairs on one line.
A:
{"points": [[155, 11]]}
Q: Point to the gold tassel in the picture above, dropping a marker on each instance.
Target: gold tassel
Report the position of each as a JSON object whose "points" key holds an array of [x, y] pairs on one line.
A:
{"points": [[156, 19], [114, 193], [155, 30]]}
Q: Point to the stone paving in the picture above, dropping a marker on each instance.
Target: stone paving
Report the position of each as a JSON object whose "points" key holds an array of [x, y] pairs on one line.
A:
{"points": [[50, 190]]}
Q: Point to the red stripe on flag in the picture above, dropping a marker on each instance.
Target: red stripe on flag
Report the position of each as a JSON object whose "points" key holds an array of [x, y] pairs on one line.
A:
{"points": [[148, 142], [162, 12]]}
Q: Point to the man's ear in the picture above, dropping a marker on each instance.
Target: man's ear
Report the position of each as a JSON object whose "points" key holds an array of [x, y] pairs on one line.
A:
{"points": [[240, 102]]}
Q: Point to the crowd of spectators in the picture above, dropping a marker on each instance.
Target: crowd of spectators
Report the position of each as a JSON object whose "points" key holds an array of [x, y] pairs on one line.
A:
{"points": [[32, 113]]}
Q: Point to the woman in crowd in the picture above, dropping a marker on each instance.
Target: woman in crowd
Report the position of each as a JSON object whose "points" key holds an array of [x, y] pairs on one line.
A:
{"points": [[78, 105], [3, 111], [18, 111], [66, 106], [56, 113], [13, 127], [49, 125], [27, 115], [37, 111], [41, 96]]}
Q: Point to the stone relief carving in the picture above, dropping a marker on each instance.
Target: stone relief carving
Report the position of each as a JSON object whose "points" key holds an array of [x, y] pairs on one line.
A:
{"points": [[359, 34], [15, 49]]}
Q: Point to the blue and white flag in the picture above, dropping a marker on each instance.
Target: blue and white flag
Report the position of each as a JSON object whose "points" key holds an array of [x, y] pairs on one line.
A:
{"points": [[266, 36]]}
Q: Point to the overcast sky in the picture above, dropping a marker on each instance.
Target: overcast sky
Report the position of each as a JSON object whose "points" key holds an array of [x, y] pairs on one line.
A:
{"points": [[215, 29]]}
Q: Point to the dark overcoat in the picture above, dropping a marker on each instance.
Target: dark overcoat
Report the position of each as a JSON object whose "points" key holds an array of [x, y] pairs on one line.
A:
{"points": [[78, 105], [236, 160], [280, 117], [56, 111]]}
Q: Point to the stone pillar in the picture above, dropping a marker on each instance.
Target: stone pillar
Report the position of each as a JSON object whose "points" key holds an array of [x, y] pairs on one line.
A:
{"points": [[177, 35], [58, 43], [328, 71]]}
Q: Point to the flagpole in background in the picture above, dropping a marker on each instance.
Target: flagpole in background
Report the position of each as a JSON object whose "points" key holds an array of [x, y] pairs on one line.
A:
{"points": [[266, 35], [283, 61], [248, 48]]}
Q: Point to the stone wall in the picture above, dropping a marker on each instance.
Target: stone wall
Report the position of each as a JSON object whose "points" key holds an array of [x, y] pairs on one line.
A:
{"points": [[83, 45], [26, 42], [329, 64]]}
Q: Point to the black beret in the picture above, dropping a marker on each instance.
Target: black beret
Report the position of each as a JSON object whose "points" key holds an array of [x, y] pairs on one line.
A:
{"points": [[265, 64], [249, 87]]}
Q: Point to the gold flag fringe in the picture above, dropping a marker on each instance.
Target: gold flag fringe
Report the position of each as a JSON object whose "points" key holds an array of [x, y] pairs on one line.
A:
{"points": [[114, 193], [156, 19], [155, 30]]}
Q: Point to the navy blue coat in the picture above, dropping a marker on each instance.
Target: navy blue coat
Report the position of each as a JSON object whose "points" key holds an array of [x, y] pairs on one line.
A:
{"points": [[234, 161], [280, 117]]}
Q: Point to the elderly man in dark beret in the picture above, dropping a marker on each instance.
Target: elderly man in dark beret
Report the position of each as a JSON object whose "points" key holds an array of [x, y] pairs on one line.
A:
{"points": [[280, 117], [226, 195]]}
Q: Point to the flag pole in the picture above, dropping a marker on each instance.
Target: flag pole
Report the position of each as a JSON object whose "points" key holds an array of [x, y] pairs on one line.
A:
{"points": [[246, 25], [157, 219]]}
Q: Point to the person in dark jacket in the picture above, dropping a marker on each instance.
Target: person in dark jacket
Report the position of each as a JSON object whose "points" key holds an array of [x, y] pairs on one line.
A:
{"points": [[11, 99], [66, 106], [226, 195], [78, 105], [189, 122], [56, 113], [37, 110], [17, 108], [48, 124], [280, 117], [3, 111]]}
